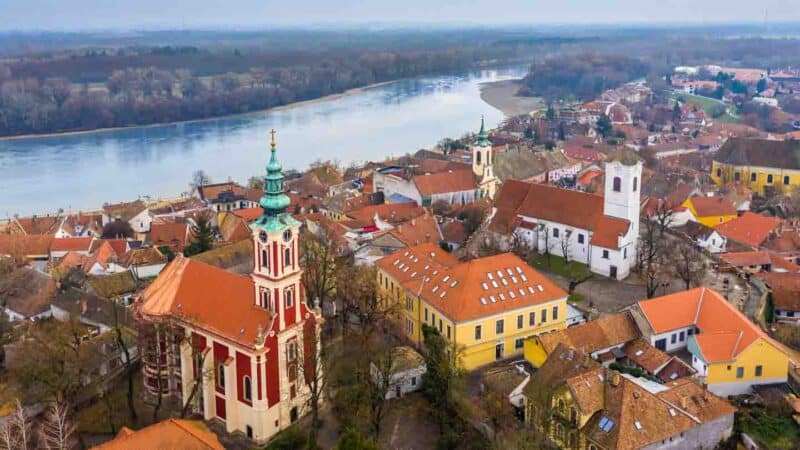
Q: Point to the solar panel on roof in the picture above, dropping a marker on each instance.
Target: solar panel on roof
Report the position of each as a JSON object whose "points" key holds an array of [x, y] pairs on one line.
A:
{"points": [[603, 422]]}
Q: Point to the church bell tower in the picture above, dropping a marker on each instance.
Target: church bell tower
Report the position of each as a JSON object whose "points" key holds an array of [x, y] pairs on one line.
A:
{"points": [[482, 163]]}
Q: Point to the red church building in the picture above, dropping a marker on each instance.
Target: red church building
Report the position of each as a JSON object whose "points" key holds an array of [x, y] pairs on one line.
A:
{"points": [[234, 348]]}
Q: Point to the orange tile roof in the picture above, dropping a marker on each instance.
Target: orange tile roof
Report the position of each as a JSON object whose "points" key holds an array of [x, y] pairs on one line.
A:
{"points": [[170, 434], [104, 253], [724, 330], [713, 206], [169, 233], [741, 259], [38, 224], [249, 214], [211, 298], [473, 289], [645, 355], [445, 182], [389, 212], [79, 244], [750, 228], [608, 230], [605, 332], [417, 231], [785, 289], [25, 245]]}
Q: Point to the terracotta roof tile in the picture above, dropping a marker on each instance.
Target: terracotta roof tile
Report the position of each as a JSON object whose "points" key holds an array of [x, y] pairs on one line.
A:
{"points": [[79, 244], [173, 234], [167, 435], [27, 291], [143, 256], [607, 331], [445, 182], [645, 355], [192, 291], [473, 289], [249, 214], [724, 330], [750, 228], [417, 231], [713, 206], [38, 224], [389, 212], [25, 245], [785, 289]]}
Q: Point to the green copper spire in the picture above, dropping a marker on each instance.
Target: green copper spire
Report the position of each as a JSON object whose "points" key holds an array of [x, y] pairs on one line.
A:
{"points": [[275, 201], [483, 136]]}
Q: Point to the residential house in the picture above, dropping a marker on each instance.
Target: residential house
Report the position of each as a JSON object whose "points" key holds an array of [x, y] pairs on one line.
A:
{"points": [[135, 213], [144, 262], [599, 231], [597, 338], [174, 235], [704, 237], [170, 433], [405, 373], [488, 306], [729, 352], [581, 405], [750, 229], [711, 211], [61, 246], [256, 332], [35, 225], [228, 196], [786, 244], [33, 248], [785, 291], [763, 165], [525, 164], [81, 225], [616, 112], [758, 261], [454, 234], [639, 353], [26, 294]]}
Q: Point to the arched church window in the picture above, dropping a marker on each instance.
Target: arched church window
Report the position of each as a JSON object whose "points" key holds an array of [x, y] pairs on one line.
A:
{"points": [[635, 183], [221, 376], [264, 259], [289, 294], [617, 184], [287, 257], [266, 301], [248, 388], [478, 158]]}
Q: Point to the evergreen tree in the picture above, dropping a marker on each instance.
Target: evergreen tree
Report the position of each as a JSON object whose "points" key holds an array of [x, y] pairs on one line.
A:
{"points": [[604, 125], [203, 236]]}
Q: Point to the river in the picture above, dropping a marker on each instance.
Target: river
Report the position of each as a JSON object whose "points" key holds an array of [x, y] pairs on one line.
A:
{"points": [[83, 171]]}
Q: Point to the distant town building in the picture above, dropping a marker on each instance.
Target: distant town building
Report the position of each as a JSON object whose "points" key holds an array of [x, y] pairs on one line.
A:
{"points": [[763, 165]]}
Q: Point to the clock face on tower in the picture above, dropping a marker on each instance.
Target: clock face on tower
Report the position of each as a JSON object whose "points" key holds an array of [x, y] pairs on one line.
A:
{"points": [[262, 236], [287, 235]]}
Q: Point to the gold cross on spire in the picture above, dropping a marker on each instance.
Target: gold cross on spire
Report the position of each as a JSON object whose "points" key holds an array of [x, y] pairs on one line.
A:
{"points": [[272, 132]]}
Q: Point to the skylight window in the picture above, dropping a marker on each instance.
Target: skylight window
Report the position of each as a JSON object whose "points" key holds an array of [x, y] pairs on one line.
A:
{"points": [[519, 269], [606, 424], [509, 271], [500, 273], [483, 300], [524, 278], [514, 280], [396, 261], [493, 299], [454, 283], [435, 288], [530, 289], [541, 289], [494, 283], [505, 282], [672, 412], [413, 274], [442, 294], [405, 254], [446, 277], [490, 275], [502, 296], [639, 352], [405, 269], [485, 286], [511, 294], [427, 266], [522, 292], [637, 424]]}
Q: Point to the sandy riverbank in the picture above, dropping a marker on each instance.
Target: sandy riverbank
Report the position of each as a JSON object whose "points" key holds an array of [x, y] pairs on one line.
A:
{"points": [[327, 98], [503, 96]]}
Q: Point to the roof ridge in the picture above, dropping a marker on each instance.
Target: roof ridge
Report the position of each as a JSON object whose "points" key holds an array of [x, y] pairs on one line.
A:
{"points": [[736, 345], [699, 305]]}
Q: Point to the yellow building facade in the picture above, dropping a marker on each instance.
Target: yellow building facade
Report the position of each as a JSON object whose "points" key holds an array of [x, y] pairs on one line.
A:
{"points": [[710, 216], [762, 362], [759, 179], [486, 319]]}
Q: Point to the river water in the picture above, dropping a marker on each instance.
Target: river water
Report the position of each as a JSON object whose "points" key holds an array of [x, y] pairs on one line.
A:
{"points": [[80, 171]]}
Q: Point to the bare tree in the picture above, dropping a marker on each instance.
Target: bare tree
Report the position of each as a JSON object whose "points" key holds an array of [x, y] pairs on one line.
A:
{"points": [[384, 366], [545, 230], [688, 263], [199, 179], [57, 429], [15, 433], [313, 375], [650, 256], [199, 376], [565, 245], [319, 261], [122, 347]]}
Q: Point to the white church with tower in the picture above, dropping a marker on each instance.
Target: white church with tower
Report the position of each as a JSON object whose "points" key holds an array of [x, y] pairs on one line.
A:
{"points": [[601, 231]]}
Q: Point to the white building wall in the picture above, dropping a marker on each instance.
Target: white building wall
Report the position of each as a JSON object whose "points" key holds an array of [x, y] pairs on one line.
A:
{"points": [[391, 184], [678, 344]]}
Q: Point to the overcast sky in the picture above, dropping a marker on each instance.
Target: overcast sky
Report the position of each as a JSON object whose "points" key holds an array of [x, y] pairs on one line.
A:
{"points": [[94, 14]]}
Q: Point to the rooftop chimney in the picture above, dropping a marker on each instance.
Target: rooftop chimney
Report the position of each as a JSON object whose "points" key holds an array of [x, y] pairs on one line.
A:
{"points": [[684, 402]]}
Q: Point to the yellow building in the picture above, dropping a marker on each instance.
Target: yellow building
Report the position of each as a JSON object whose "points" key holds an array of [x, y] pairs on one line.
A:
{"points": [[486, 307], [761, 164], [729, 352], [594, 338], [711, 211], [583, 405]]}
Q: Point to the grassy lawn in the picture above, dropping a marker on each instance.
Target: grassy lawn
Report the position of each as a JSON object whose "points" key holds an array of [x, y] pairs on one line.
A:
{"points": [[572, 270], [769, 429], [708, 105]]}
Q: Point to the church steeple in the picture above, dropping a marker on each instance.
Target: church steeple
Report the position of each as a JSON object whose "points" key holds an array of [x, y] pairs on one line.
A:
{"points": [[275, 201], [483, 136]]}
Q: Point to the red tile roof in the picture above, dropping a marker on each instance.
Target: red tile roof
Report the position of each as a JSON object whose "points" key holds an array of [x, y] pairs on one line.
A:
{"points": [[445, 182], [713, 206], [79, 244], [724, 331], [193, 291], [750, 228], [172, 234], [171, 434], [473, 289], [25, 245]]}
